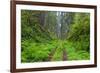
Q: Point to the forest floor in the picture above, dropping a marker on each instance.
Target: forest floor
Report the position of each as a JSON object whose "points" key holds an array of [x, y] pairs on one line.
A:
{"points": [[52, 54], [64, 55], [52, 51]]}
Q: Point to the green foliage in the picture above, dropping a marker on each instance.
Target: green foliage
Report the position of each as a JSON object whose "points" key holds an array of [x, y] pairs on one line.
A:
{"points": [[80, 31], [58, 55], [74, 54], [41, 33], [36, 52]]}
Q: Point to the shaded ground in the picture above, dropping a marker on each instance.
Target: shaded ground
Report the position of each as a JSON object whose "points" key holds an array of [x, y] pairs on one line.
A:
{"points": [[64, 55]]}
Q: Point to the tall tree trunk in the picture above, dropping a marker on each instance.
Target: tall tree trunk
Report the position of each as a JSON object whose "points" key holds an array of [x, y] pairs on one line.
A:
{"points": [[42, 18]]}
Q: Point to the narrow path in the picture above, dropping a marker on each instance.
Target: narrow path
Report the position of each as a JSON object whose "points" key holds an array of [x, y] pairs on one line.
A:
{"points": [[51, 54], [64, 56]]}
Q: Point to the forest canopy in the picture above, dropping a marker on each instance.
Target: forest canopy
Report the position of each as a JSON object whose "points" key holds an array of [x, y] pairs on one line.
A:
{"points": [[54, 36]]}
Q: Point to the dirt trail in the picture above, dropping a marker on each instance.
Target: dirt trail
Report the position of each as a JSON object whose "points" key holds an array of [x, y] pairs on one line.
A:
{"points": [[51, 54], [64, 56]]}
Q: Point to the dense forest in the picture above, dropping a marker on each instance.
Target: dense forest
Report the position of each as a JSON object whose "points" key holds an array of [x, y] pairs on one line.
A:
{"points": [[54, 36]]}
